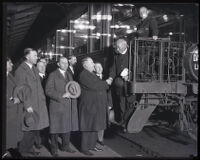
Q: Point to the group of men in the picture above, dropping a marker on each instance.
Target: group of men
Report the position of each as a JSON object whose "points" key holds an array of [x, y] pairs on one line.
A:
{"points": [[88, 113]]}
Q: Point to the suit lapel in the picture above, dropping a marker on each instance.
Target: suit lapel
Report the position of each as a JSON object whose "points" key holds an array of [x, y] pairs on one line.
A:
{"points": [[60, 76], [28, 70]]}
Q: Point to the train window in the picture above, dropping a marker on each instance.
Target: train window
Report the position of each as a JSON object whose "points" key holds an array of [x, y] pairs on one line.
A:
{"points": [[97, 22], [80, 39], [124, 20]]}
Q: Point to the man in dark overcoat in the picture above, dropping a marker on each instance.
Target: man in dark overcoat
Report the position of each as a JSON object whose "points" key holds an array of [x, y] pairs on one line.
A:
{"points": [[72, 69], [148, 26], [63, 111], [14, 132], [92, 106], [42, 137], [27, 74]]}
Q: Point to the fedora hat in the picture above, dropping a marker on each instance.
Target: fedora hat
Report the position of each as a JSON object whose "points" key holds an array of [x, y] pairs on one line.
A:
{"points": [[73, 88], [30, 120]]}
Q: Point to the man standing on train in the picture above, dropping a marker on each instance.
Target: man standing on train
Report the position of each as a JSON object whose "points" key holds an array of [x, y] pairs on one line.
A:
{"points": [[148, 26]]}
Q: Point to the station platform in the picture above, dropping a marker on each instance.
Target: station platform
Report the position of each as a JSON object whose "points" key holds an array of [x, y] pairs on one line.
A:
{"points": [[107, 152]]}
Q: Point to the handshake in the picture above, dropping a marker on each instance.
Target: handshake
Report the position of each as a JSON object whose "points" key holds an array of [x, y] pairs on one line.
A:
{"points": [[109, 80]]}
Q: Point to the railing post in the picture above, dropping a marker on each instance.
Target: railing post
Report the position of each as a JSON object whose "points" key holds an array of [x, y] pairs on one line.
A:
{"points": [[161, 62]]}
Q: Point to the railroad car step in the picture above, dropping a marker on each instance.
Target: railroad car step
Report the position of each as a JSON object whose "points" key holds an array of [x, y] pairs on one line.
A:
{"points": [[142, 114]]}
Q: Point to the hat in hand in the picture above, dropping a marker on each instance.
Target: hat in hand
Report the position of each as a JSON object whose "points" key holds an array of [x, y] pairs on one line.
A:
{"points": [[73, 88], [30, 120]]}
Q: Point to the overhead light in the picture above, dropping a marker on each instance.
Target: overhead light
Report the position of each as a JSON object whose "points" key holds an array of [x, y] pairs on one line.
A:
{"points": [[170, 33], [129, 31], [120, 26], [121, 5], [114, 36], [101, 17], [79, 21], [65, 31], [82, 26]]}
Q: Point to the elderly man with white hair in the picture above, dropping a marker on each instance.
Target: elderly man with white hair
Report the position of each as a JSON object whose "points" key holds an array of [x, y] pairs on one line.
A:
{"points": [[119, 75]]}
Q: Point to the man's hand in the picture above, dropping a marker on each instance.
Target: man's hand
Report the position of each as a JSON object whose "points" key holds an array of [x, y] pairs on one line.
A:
{"points": [[30, 110], [155, 37], [16, 100], [66, 95], [109, 81], [125, 78], [124, 72]]}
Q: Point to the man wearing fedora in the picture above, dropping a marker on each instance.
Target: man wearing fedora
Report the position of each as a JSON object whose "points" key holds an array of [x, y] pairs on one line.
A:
{"points": [[34, 104], [92, 106], [63, 112]]}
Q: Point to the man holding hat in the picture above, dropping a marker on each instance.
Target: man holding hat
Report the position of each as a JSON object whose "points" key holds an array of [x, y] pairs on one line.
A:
{"points": [[63, 112], [35, 110]]}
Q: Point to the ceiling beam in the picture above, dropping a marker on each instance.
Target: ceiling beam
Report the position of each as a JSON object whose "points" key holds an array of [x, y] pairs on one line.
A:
{"points": [[27, 13], [21, 26], [22, 8], [21, 21], [22, 33], [19, 30]]}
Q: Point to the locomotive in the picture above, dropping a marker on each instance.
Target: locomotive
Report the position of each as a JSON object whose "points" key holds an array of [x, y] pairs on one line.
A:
{"points": [[166, 74]]}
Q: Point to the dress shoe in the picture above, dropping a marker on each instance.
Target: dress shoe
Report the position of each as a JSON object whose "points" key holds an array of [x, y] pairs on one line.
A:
{"points": [[54, 154], [29, 154], [96, 149], [38, 146], [88, 153], [101, 143], [68, 150]]}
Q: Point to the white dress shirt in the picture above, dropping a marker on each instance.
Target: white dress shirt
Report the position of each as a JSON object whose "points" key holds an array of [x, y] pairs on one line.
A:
{"points": [[62, 72]]}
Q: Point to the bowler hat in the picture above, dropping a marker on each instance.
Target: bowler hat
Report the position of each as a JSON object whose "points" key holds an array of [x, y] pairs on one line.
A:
{"points": [[73, 88], [30, 120]]}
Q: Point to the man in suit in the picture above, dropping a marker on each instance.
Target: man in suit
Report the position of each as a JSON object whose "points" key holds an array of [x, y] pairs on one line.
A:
{"points": [[92, 106], [41, 66], [63, 112], [148, 26], [119, 74], [72, 63], [27, 74], [14, 133]]}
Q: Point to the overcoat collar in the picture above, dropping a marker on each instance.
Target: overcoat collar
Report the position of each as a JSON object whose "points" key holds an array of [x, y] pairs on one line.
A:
{"points": [[28, 70], [67, 76]]}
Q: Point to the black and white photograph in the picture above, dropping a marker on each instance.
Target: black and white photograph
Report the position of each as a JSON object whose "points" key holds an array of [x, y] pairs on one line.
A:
{"points": [[100, 80]]}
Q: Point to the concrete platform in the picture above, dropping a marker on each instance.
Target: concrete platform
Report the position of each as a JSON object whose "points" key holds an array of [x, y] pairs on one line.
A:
{"points": [[107, 152], [161, 141]]}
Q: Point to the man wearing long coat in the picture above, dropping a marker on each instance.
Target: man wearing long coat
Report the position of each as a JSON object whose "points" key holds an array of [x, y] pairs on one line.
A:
{"points": [[62, 109], [92, 106], [27, 74], [13, 111]]}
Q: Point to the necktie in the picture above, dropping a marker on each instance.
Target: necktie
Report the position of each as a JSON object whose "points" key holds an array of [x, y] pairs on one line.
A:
{"points": [[33, 72]]}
